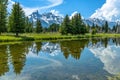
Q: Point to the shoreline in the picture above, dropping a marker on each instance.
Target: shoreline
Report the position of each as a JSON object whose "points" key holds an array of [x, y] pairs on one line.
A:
{"points": [[52, 36]]}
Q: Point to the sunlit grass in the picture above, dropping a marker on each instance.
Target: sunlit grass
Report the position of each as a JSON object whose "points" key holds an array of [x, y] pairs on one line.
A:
{"points": [[7, 37]]}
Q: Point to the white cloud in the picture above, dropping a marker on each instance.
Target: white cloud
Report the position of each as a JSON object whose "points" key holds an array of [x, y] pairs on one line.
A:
{"points": [[29, 10], [56, 13], [53, 3], [10, 3], [73, 14], [109, 11]]}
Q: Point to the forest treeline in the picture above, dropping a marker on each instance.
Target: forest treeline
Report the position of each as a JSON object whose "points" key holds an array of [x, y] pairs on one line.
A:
{"points": [[17, 22]]}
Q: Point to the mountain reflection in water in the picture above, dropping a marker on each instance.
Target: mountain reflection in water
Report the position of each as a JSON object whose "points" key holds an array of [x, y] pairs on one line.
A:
{"points": [[15, 59]]}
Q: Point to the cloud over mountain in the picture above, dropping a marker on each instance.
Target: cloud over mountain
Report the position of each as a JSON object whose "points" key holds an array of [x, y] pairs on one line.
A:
{"points": [[109, 11], [29, 10]]}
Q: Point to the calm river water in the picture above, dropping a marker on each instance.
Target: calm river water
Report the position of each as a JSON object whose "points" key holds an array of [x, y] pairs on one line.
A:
{"points": [[86, 59]]}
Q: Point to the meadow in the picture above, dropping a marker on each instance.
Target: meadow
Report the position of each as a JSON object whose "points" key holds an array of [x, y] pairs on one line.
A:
{"points": [[9, 37]]}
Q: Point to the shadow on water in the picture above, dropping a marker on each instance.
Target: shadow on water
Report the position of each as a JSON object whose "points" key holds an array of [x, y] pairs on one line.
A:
{"points": [[16, 54]]}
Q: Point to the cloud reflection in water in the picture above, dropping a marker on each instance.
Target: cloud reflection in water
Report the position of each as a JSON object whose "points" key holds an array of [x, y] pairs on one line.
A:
{"points": [[110, 57]]}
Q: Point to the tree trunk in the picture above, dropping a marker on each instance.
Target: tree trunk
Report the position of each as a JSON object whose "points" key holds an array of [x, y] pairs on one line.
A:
{"points": [[17, 35]]}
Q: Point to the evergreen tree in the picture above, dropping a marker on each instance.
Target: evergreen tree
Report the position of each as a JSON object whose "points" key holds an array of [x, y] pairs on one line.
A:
{"points": [[54, 28], [38, 26], [94, 29], [17, 19], [28, 26], [77, 24], [3, 15], [117, 28], [73, 25], [45, 29], [88, 28], [106, 27], [114, 29], [65, 25], [103, 28]]}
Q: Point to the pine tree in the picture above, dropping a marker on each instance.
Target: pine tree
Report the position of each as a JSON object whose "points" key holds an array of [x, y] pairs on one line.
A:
{"points": [[53, 27], [65, 25], [3, 15], [77, 24], [73, 25], [106, 27], [117, 28], [94, 29], [28, 26], [17, 19], [38, 26], [88, 28], [103, 28]]}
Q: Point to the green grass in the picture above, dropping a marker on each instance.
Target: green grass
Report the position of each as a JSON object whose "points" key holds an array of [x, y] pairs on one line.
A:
{"points": [[7, 37]]}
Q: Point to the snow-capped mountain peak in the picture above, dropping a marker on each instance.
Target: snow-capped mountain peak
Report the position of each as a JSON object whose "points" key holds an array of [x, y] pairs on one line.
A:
{"points": [[53, 17], [46, 18], [99, 22]]}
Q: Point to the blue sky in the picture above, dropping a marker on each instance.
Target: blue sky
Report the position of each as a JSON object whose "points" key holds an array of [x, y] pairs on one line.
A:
{"points": [[85, 7], [102, 9]]}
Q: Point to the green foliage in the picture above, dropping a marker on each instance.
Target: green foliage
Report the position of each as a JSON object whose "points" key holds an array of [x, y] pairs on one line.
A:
{"points": [[17, 19], [3, 15], [106, 27], [73, 26], [94, 29], [7, 37], [28, 26], [45, 29], [117, 28], [65, 25], [87, 28], [114, 29], [38, 26], [77, 24], [53, 28], [99, 29]]}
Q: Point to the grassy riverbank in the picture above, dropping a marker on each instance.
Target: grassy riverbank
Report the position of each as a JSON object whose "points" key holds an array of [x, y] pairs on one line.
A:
{"points": [[49, 36]]}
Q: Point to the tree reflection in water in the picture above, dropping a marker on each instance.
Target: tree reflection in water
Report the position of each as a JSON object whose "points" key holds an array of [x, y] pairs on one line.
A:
{"points": [[3, 60], [17, 53], [73, 48]]}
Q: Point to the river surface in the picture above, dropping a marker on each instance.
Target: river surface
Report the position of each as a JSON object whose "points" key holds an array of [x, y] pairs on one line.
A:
{"points": [[85, 59]]}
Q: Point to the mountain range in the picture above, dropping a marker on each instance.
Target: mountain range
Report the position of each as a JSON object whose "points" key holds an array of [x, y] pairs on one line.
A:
{"points": [[46, 18], [49, 18], [99, 22]]}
